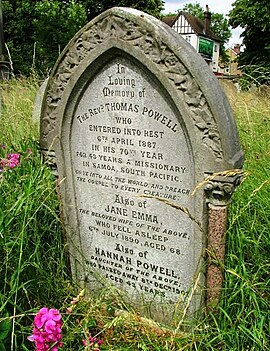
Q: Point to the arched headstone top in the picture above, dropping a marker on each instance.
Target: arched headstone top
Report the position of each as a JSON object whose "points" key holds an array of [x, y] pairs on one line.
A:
{"points": [[182, 71]]}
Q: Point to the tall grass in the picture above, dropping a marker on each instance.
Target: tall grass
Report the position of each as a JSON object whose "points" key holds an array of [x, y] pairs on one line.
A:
{"points": [[34, 269], [246, 299]]}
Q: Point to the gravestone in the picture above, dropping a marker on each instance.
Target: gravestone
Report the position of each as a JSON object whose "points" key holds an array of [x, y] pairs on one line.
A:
{"points": [[38, 101], [134, 120]]}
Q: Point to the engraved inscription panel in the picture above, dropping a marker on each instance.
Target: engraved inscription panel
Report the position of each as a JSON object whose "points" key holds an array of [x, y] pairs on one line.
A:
{"points": [[130, 159]]}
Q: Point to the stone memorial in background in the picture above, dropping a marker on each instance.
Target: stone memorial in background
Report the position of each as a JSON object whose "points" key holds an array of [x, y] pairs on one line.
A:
{"points": [[38, 101], [134, 120]]}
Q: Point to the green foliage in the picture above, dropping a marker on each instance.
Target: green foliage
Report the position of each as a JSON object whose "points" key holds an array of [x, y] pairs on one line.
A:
{"points": [[247, 269], [194, 9], [253, 17], [37, 31], [18, 30], [54, 24], [5, 329], [94, 8], [254, 76], [33, 268], [219, 25]]}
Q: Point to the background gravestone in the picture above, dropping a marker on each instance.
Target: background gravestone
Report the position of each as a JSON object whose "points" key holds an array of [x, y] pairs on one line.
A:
{"points": [[38, 101], [136, 120]]}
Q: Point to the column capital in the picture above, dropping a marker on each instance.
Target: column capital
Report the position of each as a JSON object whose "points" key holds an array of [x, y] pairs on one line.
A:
{"points": [[219, 187]]}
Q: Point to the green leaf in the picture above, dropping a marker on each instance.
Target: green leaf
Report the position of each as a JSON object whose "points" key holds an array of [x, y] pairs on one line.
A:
{"points": [[91, 324], [5, 326], [2, 346]]}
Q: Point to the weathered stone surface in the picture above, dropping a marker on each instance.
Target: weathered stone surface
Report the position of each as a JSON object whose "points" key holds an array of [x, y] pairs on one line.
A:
{"points": [[38, 101], [136, 119]]}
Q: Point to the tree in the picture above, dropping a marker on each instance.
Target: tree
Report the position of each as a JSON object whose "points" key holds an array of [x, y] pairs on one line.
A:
{"points": [[37, 30], [253, 17], [94, 7], [219, 25], [18, 29], [61, 22]]}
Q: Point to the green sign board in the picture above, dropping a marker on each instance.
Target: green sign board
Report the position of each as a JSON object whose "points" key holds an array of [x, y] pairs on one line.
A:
{"points": [[206, 47]]}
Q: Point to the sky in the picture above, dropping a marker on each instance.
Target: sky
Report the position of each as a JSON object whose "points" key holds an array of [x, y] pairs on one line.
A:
{"points": [[219, 6]]}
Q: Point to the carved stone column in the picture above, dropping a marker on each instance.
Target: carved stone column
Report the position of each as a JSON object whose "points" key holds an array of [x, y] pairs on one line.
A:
{"points": [[50, 160], [218, 190]]}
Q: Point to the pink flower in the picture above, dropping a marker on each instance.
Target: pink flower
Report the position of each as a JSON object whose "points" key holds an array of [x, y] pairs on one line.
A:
{"points": [[92, 342], [13, 160], [69, 310], [47, 330], [3, 162], [13, 156]]}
